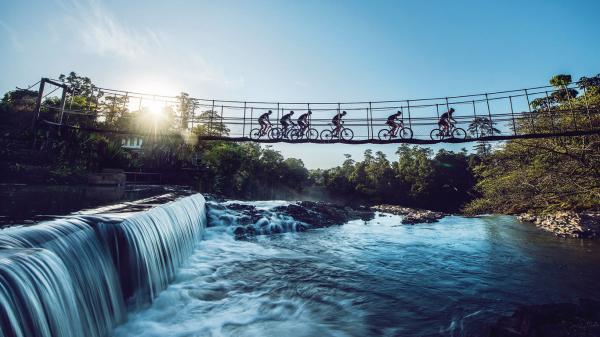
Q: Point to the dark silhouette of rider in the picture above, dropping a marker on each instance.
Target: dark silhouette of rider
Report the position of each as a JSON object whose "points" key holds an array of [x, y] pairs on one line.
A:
{"points": [[303, 120], [286, 120], [446, 120], [391, 121], [264, 121], [337, 122]]}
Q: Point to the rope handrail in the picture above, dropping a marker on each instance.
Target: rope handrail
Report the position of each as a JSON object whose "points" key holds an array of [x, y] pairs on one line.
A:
{"points": [[175, 99]]}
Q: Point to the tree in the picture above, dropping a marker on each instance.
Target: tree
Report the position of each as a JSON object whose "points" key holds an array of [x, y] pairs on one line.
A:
{"points": [[185, 109], [544, 175], [210, 125], [482, 127]]}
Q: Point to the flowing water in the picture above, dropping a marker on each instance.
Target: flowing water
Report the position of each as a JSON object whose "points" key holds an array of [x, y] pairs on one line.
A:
{"points": [[375, 278], [78, 276]]}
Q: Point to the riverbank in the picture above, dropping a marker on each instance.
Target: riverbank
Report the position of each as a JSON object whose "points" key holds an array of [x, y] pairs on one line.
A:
{"points": [[585, 225]]}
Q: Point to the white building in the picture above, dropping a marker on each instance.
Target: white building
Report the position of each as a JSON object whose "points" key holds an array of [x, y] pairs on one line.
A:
{"points": [[132, 143]]}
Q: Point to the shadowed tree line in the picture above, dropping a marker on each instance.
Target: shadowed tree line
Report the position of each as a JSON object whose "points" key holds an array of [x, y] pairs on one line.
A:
{"points": [[417, 178], [170, 144], [514, 176]]}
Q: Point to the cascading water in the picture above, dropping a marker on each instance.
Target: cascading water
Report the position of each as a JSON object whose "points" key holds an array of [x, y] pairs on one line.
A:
{"points": [[73, 276]]}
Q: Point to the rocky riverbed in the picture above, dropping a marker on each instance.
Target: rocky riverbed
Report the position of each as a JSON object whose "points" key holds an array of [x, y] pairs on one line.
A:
{"points": [[567, 224], [300, 216], [411, 215]]}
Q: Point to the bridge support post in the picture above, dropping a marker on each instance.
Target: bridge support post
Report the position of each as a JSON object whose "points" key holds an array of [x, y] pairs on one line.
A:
{"points": [[474, 118], [63, 101], [244, 123], [550, 113], [368, 124], [222, 125], [251, 118], [409, 117], [38, 106], [370, 111], [278, 115], [487, 101], [210, 117], [530, 113], [512, 113], [587, 108]]}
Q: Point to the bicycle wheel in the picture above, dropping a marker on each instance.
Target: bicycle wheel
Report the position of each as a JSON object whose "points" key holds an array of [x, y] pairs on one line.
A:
{"points": [[459, 133], [384, 134], [311, 134], [406, 133], [295, 134], [437, 134], [346, 134], [275, 133], [255, 134], [326, 135]]}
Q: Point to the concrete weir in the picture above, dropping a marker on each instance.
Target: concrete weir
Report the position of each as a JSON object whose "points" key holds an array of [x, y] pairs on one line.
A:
{"points": [[78, 276]]}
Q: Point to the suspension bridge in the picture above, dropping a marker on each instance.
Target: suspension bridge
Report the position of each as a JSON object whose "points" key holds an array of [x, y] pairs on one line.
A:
{"points": [[511, 114]]}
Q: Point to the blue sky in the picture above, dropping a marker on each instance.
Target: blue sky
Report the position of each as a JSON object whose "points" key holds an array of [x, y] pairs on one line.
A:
{"points": [[302, 50]]}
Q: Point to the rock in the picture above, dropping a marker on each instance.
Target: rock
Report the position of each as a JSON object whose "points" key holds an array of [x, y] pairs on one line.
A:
{"points": [[422, 217], [323, 214], [300, 216], [567, 223], [411, 215], [551, 320]]}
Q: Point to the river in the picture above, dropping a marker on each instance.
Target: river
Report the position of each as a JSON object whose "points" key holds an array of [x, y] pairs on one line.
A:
{"points": [[374, 278]]}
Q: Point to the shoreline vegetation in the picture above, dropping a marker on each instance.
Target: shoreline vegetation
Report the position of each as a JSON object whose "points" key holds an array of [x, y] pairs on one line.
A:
{"points": [[553, 183]]}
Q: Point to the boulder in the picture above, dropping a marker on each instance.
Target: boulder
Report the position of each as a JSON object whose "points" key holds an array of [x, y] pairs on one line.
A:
{"points": [[411, 215], [300, 216]]}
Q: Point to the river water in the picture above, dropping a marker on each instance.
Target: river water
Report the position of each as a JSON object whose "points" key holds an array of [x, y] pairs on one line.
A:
{"points": [[375, 278]]}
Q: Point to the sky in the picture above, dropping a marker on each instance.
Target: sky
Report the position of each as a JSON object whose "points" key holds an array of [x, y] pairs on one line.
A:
{"points": [[301, 50]]}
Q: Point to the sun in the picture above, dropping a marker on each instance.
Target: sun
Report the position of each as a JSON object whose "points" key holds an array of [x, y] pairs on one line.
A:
{"points": [[154, 108]]}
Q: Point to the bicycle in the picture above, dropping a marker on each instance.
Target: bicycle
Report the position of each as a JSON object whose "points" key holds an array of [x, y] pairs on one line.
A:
{"points": [[300, 133], [403, 132], [343, 133], [256, 133], [453, 132], [284, 133]]}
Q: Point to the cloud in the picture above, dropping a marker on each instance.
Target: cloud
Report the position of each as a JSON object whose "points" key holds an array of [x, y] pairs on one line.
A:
{"points": [[100, 32], [199, 70], [12, 36]]}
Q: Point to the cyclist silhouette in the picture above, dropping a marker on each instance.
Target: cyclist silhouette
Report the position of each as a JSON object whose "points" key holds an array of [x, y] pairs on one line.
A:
{"points": [[446, 120], [303, 120], [264, 121], [391, 121], [337, 121], [286, 120]]}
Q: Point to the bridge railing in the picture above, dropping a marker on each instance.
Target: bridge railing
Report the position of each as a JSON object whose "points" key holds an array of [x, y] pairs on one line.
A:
{"points": [[514, 113]]}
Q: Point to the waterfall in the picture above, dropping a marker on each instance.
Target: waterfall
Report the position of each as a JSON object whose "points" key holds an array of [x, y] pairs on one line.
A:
{"points": [[77, 276]]}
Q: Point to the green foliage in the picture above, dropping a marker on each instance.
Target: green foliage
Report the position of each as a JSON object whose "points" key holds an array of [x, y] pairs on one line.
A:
{"points": [[211, 124], [418, 178], [247, 170], [544, 175]]}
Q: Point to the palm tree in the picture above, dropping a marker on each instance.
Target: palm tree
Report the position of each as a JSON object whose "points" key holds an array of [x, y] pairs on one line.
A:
{"points": [[482, 127]]}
